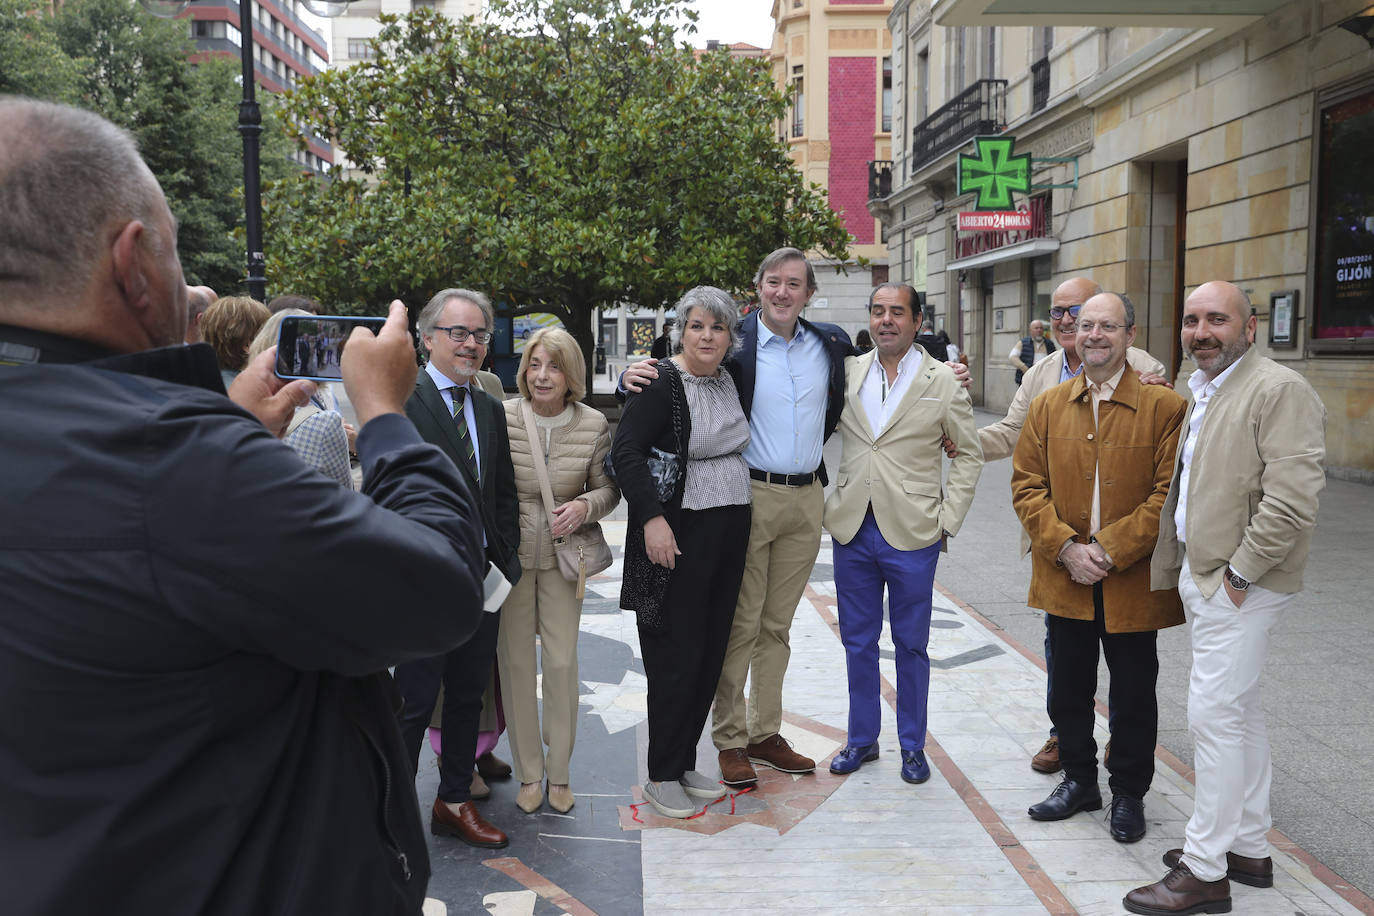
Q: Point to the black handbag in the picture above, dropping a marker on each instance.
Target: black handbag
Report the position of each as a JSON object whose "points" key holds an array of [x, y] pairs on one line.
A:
{"points": [[665, 468]]}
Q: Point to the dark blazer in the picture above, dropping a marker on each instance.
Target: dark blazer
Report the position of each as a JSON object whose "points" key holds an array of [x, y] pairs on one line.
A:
{"points": [[499, 502], [743, 363]]}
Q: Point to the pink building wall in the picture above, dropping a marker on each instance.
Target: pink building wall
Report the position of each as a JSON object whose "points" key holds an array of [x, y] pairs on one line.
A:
{"points": [[853, 121]]}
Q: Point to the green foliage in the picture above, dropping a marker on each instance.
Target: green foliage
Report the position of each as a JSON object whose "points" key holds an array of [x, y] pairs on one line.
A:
{"points": [[112, 57], [560, 155]]}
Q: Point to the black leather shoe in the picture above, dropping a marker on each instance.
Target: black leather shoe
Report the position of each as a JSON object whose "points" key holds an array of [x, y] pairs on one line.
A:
{"points": [[1067, 799], [1128, 818]]}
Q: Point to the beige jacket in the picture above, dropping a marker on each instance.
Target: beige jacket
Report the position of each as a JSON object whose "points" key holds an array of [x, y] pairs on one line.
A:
{"points": [[899, 473], [999, 439], [1252, 485], [575, 472]]}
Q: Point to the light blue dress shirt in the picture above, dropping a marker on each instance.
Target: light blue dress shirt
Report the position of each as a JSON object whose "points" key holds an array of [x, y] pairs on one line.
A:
{"points": [[787, 419]]}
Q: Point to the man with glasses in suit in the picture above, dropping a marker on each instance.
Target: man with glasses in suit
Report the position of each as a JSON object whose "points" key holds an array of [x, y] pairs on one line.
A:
{"points": [[453, 412]]}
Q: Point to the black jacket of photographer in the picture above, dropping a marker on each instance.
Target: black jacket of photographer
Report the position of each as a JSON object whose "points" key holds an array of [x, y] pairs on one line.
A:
{"points": [[194, 635]]}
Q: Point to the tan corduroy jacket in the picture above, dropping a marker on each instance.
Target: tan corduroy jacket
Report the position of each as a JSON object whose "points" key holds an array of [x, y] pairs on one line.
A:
{"points": [[575, 472], [1253, 483], [1132, 449]]}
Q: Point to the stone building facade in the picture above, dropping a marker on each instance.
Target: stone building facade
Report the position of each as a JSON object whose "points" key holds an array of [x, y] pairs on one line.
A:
{"points": [[1167, 155]]}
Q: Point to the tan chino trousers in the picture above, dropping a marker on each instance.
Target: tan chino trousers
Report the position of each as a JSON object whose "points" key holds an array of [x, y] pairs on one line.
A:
{"points": [[543, 602], [784, 538]]}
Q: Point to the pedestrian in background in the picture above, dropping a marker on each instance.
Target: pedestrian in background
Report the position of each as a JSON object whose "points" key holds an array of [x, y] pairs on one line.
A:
{"points": [[229, 325]]}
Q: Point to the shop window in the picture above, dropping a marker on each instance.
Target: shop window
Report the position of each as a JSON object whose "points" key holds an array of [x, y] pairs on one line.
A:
{"points": [[1344, 306]]}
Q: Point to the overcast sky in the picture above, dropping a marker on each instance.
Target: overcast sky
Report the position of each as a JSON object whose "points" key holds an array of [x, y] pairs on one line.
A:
{"points": [[730, 21]]}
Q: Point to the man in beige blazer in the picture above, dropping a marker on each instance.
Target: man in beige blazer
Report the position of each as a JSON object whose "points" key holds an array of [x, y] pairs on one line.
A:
{"points": [[999, 439], [1233, 538], [889, 516]]}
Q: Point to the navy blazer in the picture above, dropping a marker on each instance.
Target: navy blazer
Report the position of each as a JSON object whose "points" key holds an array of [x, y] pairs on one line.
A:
{"points": [[743, 364], [498, 502]]}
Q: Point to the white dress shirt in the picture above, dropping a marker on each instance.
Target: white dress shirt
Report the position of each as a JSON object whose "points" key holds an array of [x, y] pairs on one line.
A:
{"points": [[1202, 395], [878, 397]]}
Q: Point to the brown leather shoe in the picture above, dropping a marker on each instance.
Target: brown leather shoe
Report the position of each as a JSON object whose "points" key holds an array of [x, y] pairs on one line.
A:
{"points": [[1254, 872], [463, 822], [493, 767], [777, 753], [735, 769], [1046, 759], [1180, 892]]}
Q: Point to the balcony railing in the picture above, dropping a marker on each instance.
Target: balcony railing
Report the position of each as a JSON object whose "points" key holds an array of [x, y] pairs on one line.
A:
{"points": [[1040, 83], [978, 110], [879, 179]]}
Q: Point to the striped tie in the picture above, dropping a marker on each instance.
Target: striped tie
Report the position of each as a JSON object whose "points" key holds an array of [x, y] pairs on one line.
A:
{"points": [[459, 397]]}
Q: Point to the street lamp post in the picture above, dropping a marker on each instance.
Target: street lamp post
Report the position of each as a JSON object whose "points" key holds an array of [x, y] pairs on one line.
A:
{"points": [[250, 128]]}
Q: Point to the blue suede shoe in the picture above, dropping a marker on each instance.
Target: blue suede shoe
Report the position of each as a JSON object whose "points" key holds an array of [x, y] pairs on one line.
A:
{"points": [[851, 758], [914, 767]]}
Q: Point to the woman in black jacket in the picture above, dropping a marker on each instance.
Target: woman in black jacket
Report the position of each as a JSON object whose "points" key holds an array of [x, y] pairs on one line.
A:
{"points": [[684, 548]]}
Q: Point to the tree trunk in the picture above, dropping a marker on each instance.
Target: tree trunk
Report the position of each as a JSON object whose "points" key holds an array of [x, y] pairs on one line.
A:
{"points": [[579, 325]]}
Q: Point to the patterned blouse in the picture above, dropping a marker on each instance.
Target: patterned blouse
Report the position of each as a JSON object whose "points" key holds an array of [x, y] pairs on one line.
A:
{"points": [[716, 472]]}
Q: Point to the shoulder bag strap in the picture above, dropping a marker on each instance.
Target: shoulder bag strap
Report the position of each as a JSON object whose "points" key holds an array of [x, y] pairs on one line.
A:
{"points": [[537, 456], [675, 386]]}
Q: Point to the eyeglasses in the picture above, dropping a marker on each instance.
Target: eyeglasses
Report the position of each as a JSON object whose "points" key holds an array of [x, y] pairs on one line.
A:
{"points": [[1058, 311], [457, 333], [1106, 327]]}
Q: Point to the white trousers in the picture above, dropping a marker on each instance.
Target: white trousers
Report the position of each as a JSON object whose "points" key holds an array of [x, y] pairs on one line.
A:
{"points": [[1226, 718]]}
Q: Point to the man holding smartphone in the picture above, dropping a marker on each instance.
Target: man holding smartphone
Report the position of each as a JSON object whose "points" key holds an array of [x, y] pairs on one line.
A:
{"points": [[172, 689]]}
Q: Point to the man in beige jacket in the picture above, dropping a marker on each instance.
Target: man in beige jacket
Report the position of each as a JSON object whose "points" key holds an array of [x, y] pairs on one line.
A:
{"points": [[888, 517], [1233, 538], [999, 439]]}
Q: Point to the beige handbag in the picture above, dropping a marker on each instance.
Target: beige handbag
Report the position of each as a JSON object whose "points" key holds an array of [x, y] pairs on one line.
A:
{"points": [[581, 553]]}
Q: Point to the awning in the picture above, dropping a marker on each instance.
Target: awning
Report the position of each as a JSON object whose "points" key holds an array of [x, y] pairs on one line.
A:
{"points": [[1192, 14], [1031, 248]]}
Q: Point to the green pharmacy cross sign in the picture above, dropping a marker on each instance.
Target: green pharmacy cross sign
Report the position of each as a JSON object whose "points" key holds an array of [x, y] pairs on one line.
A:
{"points": [[994, 173]]}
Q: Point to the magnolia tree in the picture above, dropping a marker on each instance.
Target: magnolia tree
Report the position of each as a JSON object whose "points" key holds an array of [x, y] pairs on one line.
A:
{"points": [[559, 155]]}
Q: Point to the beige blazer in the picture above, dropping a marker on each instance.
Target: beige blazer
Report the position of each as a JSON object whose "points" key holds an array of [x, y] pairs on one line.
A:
{"points": [[1256, 471], [899, 473]]}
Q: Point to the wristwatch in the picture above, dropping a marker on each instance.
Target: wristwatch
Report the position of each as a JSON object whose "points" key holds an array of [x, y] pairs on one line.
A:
{"points": [[1238, 583]]}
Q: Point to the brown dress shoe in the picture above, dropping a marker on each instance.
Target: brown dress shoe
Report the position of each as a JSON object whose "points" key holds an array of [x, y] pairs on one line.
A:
{"points": [[465, 824], [735, 769], [1046, 759], [493, 767], [1180, 892], [777, 753], [1254, 872]]}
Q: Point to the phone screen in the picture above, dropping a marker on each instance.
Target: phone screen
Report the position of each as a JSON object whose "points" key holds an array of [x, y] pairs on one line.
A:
{"points": [[310, 346]]}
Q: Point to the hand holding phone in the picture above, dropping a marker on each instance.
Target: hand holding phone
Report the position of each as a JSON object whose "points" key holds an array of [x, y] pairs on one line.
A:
{"points": [[379, 372]]}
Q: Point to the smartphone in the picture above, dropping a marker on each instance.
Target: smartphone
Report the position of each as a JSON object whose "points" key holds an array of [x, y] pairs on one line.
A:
{"points": [[310, 346]]}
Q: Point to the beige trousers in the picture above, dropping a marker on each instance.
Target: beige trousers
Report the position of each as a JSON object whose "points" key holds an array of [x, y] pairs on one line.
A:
{"points": [[784, 536], [541, 602]]}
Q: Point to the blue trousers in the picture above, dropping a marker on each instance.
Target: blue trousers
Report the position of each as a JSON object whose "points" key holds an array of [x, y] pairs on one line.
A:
{"points": [[863, 567]]}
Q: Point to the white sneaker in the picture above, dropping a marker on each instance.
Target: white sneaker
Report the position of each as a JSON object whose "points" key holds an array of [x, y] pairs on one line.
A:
{"points": [[669, 799], [699, 786]]}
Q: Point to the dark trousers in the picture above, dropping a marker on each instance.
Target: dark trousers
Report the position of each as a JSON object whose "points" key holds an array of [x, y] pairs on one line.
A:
{"points": [[1134, 719], [682, 661], [464, 672]]}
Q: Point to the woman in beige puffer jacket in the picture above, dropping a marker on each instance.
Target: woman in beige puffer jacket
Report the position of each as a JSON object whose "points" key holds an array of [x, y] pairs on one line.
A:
{"points": [[574, 438]]}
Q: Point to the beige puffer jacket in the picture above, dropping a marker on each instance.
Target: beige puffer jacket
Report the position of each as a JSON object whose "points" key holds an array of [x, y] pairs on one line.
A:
{"points": [[575, 471]]}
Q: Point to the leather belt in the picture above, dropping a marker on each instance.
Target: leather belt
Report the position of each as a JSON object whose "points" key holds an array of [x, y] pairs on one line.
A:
{"points": [[787, 480]]}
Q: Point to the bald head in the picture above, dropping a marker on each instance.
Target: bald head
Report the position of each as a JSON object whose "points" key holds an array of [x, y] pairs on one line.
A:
{"points": [[1071, 293], [1217, 326], [87, 244]]}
